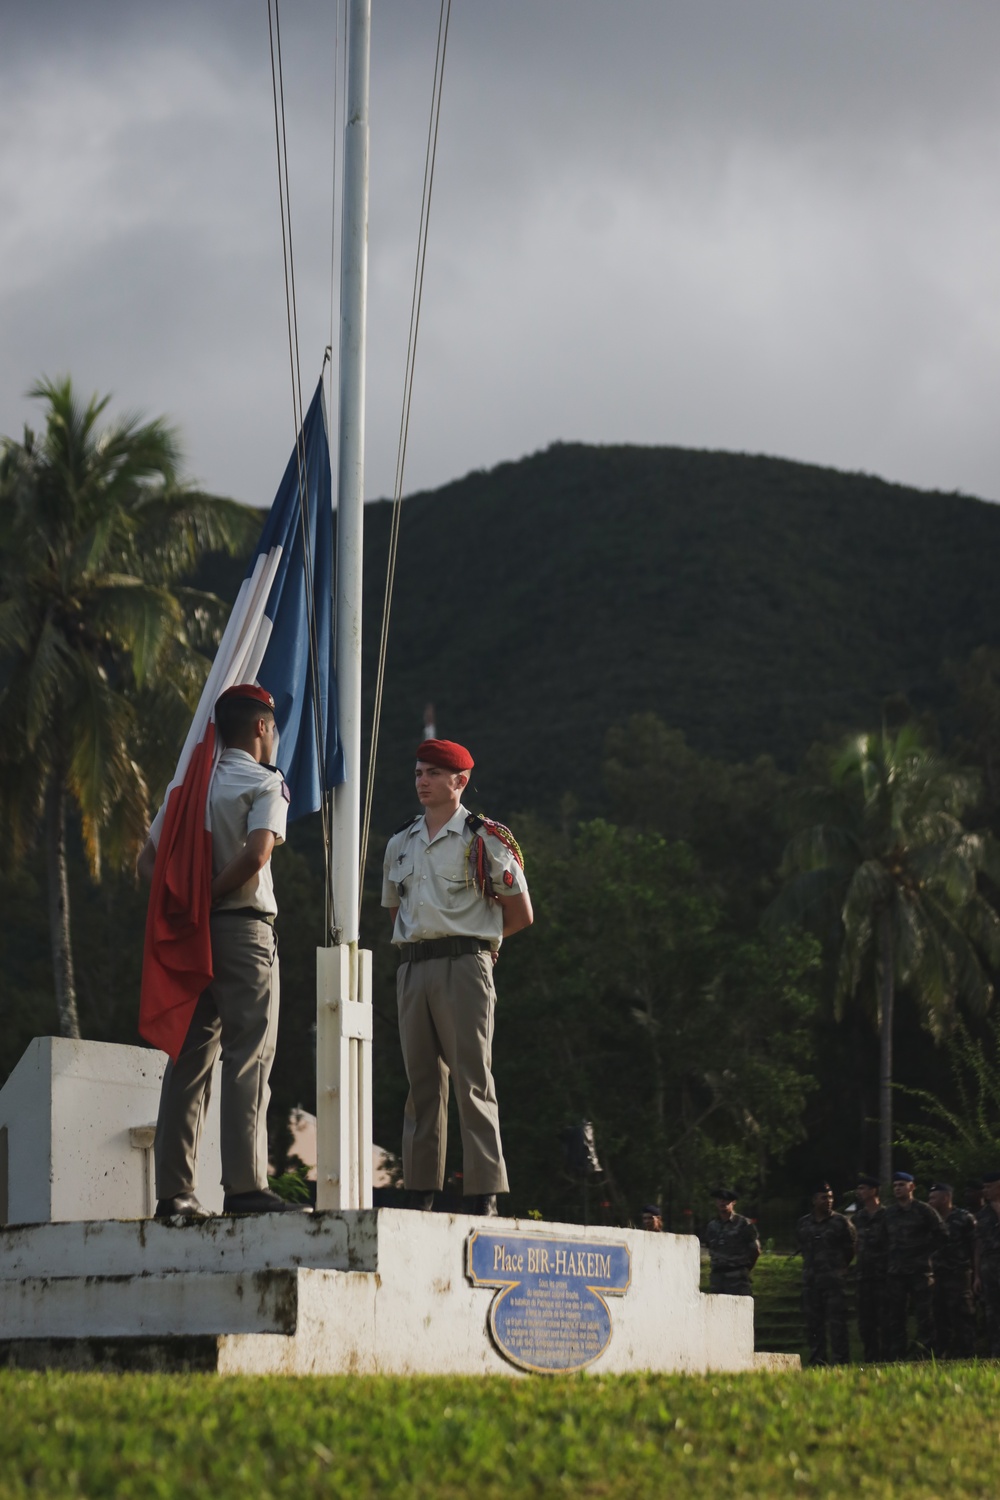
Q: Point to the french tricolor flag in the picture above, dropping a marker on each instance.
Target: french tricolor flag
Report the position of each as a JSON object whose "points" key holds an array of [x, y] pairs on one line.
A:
{"points": [[278, 635]]}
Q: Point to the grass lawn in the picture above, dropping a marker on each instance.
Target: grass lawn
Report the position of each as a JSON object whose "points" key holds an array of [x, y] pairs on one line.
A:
{"points": [[908, 1431]]}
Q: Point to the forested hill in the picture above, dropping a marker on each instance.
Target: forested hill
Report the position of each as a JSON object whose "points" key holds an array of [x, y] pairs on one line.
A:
{"points": [[754, 603]]}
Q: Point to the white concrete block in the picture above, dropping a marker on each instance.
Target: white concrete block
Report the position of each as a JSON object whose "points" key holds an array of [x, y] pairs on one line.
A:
{"points": [[76, 1117], [363, 1291]]}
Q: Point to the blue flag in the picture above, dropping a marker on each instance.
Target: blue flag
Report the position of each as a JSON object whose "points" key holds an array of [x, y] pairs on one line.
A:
{"points": [[297, 664]]}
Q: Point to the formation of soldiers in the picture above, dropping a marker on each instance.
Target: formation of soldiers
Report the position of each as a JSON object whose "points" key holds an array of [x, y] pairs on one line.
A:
{"points": [[931, 1261]]}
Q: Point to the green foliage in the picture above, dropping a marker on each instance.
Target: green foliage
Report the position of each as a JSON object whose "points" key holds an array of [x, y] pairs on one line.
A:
{"points": [[629, 1004], [29, 1007], [892, 876], [960, 1141], [977, 712], [892, 846], [108, 937], [893, 1433], [730, 815], [293, 1184], [101, 658]]}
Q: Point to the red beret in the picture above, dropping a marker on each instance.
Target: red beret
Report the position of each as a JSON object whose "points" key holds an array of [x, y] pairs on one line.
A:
{"points": [[446, 754], [247, 690]]}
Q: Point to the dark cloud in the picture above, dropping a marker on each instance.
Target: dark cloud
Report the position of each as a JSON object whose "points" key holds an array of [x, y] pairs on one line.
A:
{"points": [[756, 224]]}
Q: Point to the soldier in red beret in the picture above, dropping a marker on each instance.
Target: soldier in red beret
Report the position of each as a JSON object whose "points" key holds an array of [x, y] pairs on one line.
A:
{"points": [[454, 886], [248, 803]]}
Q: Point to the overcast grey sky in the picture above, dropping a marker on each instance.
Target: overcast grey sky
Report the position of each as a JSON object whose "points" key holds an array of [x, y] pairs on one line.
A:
{"points": [[760, 225]]}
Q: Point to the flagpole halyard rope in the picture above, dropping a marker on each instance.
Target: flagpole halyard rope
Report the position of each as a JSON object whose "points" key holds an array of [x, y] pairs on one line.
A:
{"points": [[282, 161], [291, 310], [430, 159], [334, 196]]}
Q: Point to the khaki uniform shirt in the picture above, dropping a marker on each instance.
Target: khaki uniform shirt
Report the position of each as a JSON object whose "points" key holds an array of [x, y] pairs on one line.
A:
{"points": [[430, 881], [245, 796]]}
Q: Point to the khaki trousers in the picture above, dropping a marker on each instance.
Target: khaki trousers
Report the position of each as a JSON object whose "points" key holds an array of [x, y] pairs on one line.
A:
{"points": [[446, 1027], [239, 1012]]}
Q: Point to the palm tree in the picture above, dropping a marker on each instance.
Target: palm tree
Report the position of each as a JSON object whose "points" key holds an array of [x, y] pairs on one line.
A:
{"points": [[101, 646], [894, 864]]}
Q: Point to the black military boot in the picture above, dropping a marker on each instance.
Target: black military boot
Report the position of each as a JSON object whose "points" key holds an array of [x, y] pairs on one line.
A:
{"points": [[261, 1201], [185, 1206]]}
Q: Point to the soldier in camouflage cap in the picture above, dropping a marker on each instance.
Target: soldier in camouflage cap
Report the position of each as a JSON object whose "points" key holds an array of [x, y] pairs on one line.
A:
{"points": [[826, 1242], [869, 1226], [987, 1259], [914, 1233], [733, 1247], [954, 1309]]}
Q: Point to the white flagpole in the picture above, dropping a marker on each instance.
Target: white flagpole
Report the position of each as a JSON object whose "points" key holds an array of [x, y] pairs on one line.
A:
{"points": [[343, 1040]]}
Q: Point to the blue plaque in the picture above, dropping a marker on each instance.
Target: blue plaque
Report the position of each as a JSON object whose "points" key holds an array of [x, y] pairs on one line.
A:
{"points": [[550, 1314]]}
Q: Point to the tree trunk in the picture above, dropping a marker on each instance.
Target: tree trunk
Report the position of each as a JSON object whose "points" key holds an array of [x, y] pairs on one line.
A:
{"points": [[62, 952], [886, 998], [858, 1083], [659, 1095]]}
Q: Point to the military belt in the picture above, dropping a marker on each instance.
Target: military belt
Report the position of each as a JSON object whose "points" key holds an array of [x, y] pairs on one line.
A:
{"points": [[269, 917], [452, 947]]}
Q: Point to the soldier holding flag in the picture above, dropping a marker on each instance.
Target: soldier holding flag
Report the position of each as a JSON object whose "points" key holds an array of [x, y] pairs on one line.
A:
{"points": [[239, 1008], [210, 971]]}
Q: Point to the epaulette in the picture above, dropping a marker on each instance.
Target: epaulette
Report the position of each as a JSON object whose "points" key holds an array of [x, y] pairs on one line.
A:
{"points": [[477, 821], [478, 862], [408, 824], [286, 790]]}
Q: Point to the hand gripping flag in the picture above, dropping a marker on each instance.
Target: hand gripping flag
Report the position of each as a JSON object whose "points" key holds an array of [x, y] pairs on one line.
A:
{"points": [[270, 639]]}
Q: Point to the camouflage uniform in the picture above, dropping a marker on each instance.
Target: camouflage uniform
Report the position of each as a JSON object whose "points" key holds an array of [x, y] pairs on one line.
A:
{"points": [[914, 1234], [988, 1240], [733, 1247], [954, 1309], [827, 1247], [869, 1226]]}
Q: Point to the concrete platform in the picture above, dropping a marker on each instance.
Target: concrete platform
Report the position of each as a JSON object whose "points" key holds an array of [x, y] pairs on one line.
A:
{"points": [[373, 1291]]}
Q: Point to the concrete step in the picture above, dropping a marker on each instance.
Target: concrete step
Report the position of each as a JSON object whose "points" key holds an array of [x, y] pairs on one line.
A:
{"points": [[150, 1306], [198, 1354], [130, 1247]]}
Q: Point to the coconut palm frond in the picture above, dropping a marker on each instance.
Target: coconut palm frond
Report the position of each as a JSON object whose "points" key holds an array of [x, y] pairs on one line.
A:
{"points": [[907, 872], [95, 528]]}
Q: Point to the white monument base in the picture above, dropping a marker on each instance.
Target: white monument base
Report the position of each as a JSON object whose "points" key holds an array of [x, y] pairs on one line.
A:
{"points": [[76, 1133], [376, 1291]]}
